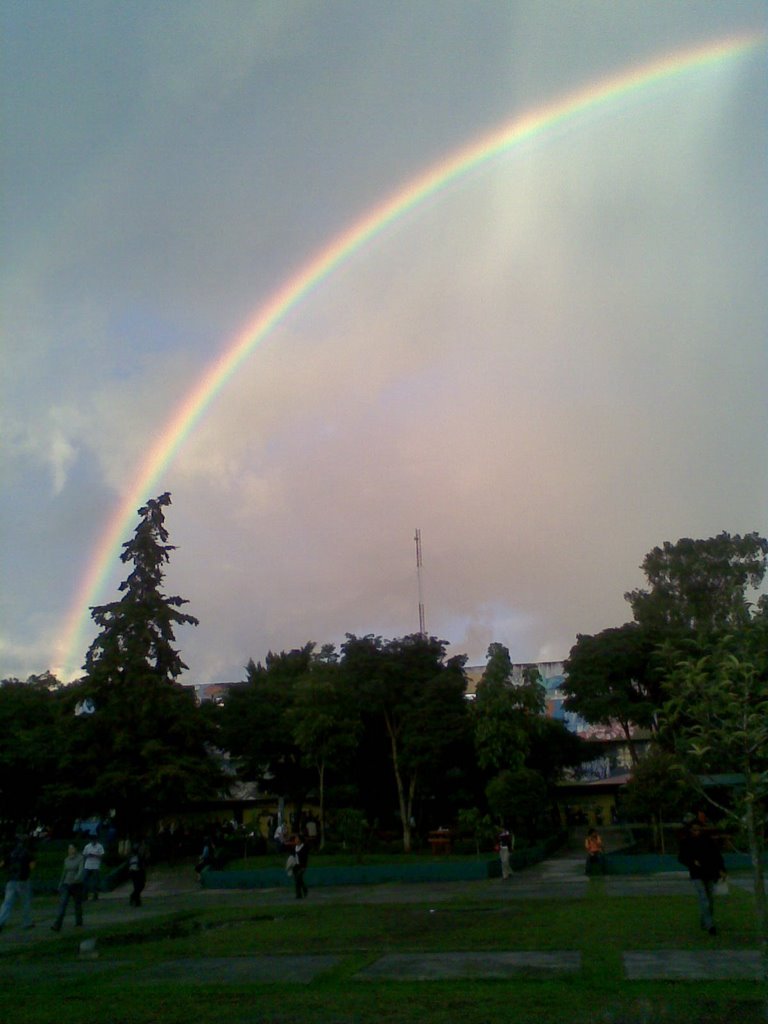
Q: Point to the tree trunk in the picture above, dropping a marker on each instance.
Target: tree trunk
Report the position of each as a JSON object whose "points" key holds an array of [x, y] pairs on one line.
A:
{"points": [[660, 819], [404, 815], [321, 824], [630, 742], [409, 808]]}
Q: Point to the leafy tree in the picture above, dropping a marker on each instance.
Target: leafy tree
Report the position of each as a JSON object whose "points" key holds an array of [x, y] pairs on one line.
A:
{"points": [[552, 748], [417, 697], [697, 590], [700, 586], [531, 694], [353, 829], [144, 750], [480, 826], [28, 752], [518, 798], [325, 720], [514, 740], [656, 793], [256, 728], [718, 718], [498, 666], [612, 677], [504, 712]]}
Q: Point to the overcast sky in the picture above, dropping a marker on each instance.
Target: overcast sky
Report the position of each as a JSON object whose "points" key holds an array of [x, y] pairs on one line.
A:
{"points": [[549, 368]]}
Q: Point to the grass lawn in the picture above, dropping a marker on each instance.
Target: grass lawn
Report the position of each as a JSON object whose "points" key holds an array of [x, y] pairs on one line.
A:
{"points": [[599, 926]]}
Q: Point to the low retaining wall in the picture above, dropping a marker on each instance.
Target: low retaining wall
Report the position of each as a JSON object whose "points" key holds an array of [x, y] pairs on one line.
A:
{"points": [[358, 874], [437, 870], [657, 863]]}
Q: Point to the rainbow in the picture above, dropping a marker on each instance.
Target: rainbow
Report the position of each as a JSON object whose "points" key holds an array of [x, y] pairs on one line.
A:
{"points": [[436, 178]]}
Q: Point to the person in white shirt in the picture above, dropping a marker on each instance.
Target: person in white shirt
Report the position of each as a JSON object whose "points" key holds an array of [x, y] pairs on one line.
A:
{"points": [[93, 852]]}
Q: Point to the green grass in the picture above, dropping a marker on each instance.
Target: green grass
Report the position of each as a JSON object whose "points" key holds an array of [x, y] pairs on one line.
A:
{"points": [[599, 926]]}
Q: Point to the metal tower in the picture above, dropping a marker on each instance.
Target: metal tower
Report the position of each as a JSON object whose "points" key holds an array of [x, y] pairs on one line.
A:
{"points": [[422, 623]]}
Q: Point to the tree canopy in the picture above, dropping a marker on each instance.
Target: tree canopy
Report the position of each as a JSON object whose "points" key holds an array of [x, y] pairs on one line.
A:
{"points": [[28, 751], [504, 710], [255, 725], [698, 590], [700, 586], [611, 677], [408, 686], [325, 721]]}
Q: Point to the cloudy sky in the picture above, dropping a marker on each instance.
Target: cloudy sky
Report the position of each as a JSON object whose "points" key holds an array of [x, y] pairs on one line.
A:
{"points": [[548, 368]]}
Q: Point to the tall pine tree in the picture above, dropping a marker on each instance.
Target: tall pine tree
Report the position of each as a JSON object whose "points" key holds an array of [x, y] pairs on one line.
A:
{"points": [[144, 751]]}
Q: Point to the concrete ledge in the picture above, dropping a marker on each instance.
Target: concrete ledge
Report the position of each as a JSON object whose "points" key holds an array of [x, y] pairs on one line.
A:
{"points": [[658, 863], [401, 870], [240, 969], [360, 874], [433, 966], [690, 965]]}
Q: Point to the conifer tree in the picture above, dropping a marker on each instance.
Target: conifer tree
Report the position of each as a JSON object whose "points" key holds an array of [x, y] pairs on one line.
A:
{"points": [[137, 632], [144, 750]]}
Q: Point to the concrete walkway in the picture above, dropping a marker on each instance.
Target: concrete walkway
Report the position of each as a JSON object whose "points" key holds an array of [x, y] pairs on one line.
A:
{"points": [[444, 966], [693, 965]]}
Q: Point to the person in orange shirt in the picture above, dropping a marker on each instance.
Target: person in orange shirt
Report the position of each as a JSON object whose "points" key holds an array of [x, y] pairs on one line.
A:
{"points": [[593, 844]]}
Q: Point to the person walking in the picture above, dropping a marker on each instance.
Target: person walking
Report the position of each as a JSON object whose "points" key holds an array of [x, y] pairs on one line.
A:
{"points": [[700, 854], [301, 853], [593, 844], [93, 852], [281, 837], [19, 864], [71, 887], [137, 872], [506, 846]]}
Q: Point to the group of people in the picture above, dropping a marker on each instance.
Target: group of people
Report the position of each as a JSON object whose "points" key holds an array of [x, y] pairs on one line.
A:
{"points": [[80, 875], [80, 879]]}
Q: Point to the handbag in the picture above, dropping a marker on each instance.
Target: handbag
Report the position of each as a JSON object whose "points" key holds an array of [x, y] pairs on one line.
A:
{"points": [[722, 888], [290, 864]]}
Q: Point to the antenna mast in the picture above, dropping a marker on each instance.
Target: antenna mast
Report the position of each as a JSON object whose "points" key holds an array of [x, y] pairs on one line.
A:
{"points": [[422, 623]]}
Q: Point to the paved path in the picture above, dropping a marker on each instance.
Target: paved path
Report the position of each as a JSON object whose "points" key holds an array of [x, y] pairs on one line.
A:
{"points": [[443, 966], [693, 965]]}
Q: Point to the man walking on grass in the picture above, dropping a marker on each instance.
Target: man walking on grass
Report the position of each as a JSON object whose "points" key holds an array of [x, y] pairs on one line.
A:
{"points": [[701, 855], [19, 864]]}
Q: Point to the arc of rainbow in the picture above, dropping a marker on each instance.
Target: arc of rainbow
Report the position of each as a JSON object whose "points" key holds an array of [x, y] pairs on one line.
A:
{"points": [[341, 248]]}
